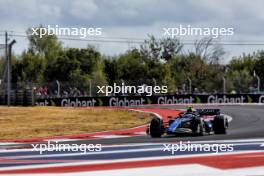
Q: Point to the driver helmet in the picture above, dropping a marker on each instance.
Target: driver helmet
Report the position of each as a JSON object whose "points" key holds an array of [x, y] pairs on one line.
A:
{"points": [[190, 109]]}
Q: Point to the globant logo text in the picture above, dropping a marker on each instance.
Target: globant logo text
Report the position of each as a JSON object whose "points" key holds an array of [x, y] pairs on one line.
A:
{"points": [[224, 99], [77, 103]]}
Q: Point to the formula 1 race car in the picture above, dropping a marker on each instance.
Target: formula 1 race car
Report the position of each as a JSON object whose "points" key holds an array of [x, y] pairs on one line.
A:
{"points": [[196, 122]]}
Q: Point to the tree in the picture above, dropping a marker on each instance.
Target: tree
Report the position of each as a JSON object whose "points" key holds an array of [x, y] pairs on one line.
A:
{"points": [[241, 81], [47, 46], [240, 72], [131, 66], [259, 66], [160, 59], [244, 62], [208, 51], [111, 69], [61, 69], [28, 68], [89, 58], [162, 49]]}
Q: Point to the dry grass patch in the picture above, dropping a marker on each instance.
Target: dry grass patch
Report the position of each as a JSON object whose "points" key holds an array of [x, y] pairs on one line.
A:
{"points": [[27, 122]]}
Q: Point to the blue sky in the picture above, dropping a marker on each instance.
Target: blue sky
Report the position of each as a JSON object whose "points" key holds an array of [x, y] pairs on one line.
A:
{"points": [[136, 19]]}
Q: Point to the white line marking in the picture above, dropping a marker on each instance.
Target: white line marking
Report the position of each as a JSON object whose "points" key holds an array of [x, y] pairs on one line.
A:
{"points": [[8, 143], [111, 136], [121, 160]]}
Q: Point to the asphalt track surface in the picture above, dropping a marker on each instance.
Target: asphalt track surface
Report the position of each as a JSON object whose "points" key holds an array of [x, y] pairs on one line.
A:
{"points": [[246, 133], [247, 122]]}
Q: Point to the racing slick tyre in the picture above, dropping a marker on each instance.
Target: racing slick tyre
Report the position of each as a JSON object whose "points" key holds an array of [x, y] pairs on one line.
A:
{"points": [[156, 128], [198, 127], [220, 125]]}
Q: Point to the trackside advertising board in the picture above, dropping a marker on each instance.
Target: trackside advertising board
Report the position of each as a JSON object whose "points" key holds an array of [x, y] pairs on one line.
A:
{"points": [[143, 100]]}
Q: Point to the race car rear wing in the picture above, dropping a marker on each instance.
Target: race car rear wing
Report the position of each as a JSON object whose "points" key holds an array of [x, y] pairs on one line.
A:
{"points": [[208, 111]]}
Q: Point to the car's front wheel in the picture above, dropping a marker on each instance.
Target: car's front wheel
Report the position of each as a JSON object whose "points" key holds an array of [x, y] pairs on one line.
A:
{"points": [[220, 125]]}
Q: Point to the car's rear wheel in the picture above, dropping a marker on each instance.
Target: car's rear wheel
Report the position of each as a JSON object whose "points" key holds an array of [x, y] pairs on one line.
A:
{"points": [[156, 127]]}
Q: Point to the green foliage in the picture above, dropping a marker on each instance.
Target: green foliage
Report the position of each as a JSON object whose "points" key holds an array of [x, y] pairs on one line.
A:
{"points": [[47, 46], [157, 61], [241, 80], [28, 68], [163, 49], [244, 62], [131, 65], [61, 69], [259, 66], [89, 58]]}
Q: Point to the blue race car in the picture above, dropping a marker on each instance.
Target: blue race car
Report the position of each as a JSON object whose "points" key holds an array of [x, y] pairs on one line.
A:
{"points": [[196, 122]]}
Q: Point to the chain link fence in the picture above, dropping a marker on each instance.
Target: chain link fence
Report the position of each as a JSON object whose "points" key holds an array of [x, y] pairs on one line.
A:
{"points": [[91, 88], [25, 93]]}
